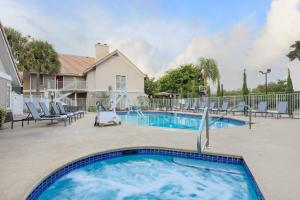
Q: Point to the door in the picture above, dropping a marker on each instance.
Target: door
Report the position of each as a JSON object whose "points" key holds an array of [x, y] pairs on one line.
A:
{"points": [[60, 82]]}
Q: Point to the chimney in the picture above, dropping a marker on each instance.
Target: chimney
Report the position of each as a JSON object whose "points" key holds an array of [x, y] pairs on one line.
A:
{"points": [[101, 50]]}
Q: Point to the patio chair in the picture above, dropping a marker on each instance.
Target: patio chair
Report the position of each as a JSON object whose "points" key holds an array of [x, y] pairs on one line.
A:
{"points": [[211, 106], [262, 108], [239, 108], [176, 107], [62, 110], [224, 107], [282, 108], [46, 112], [194, 107], [202, 105], [186, 106], [36, 116], [57, 112]]}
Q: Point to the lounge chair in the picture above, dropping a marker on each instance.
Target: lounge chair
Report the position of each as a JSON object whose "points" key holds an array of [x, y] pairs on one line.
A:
{"points": [[57, 112], [176, 107], [202, 106], [194, 106], [239, 108], [36, 116], [211, 106], [282, 108], [46, 112], [224, 107], [262, 108], [62, 110], [186, 106]]}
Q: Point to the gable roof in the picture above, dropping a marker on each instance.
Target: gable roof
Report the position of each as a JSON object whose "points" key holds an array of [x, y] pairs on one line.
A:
{"points": [[110, 55], [9, 64], [74, 65]]}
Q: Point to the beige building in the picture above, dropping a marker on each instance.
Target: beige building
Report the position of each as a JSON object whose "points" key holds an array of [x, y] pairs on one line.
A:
{"points": [[86, 79], [9, 78]]}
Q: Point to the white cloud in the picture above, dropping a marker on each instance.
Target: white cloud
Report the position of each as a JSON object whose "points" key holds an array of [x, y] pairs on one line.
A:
{"points": [[238, 47], [156, 44], [147, 59], [281, 30]]}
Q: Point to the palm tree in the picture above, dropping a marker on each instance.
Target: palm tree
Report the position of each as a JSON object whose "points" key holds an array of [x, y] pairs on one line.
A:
{"points": [[209, 70], [40, 57]]}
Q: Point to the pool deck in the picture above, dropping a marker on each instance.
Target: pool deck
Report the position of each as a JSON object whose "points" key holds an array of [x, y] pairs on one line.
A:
{"points": [[271, 150]]}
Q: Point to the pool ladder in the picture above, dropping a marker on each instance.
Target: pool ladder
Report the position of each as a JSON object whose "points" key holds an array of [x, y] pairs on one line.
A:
{"points": [[203, 142]]}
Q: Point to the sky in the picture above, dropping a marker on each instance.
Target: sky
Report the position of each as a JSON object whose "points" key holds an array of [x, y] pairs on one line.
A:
{"points": [[158, 35]]}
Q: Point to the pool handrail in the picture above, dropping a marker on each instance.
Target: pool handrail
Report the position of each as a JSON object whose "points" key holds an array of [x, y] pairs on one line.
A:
{"points": [[204, 120]]}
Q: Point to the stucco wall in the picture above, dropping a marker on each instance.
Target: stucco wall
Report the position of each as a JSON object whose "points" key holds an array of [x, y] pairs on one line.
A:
{"points": [[90, 80], [107, 71], [3, 84], [2, 67]]}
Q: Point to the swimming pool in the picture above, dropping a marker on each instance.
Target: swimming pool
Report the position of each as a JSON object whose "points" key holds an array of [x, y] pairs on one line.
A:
{"points": [[173, 120], [150, 174]]}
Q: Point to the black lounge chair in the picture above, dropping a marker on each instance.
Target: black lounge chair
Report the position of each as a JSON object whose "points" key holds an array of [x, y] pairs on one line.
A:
{"points": [[62, 110], [239, 108], [262, 108], [282, 108], [46, 112], [57, 112], [36, 116]]}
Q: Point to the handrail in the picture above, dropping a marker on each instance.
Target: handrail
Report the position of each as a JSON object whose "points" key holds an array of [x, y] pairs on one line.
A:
{"points": [[204, 120]]}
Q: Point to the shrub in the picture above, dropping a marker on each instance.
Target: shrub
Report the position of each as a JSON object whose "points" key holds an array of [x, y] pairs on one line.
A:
{"points": [[2, 116]]}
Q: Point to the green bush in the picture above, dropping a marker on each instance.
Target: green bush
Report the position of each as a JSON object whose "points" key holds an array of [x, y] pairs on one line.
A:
{"points": [[2, 116]]}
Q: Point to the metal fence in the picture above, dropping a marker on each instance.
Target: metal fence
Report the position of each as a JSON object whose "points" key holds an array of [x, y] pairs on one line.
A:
{"points": [[251, 100], [187, 103]]}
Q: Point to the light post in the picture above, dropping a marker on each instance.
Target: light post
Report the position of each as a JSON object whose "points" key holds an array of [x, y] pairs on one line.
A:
{"points": [[266, 78]]}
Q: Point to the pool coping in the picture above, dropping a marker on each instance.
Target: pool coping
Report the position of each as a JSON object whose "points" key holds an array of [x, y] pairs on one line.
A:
{"points": [[38, 188]]}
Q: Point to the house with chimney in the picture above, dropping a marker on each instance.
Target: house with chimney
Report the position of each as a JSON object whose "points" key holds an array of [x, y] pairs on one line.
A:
{"points": [[85, 79]]}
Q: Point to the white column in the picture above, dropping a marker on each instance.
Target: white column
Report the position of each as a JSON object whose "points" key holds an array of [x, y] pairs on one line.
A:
{"points": [[75, 98]]}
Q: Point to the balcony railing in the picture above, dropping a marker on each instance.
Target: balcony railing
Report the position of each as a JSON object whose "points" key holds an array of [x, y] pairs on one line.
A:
{"points": [[66, 85]]}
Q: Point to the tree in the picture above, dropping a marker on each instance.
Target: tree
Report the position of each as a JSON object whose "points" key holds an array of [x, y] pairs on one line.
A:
{"points": [[209, 70], [294, 54], [180, 80], [208, 91], [273, 87], [17, 43], [193, 89], [245, 89], [149, 86], [289, 87], [219, 89], [40, 57]]}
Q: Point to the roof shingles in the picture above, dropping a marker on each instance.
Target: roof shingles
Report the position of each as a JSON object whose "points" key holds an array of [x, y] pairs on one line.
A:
{"points": [[74, 65]]}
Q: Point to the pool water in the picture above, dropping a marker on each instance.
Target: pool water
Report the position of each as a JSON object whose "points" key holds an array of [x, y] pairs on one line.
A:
{"points": [[171, 120], [153, 177]]}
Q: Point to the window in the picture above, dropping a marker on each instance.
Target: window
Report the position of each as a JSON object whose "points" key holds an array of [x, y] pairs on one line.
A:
{"points": [[8, 95], [120, 82], [41, 79]]}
